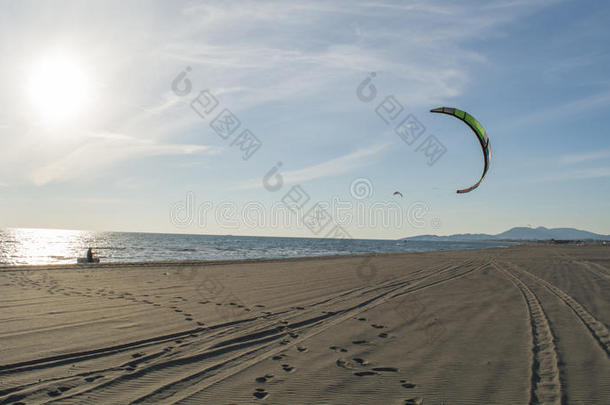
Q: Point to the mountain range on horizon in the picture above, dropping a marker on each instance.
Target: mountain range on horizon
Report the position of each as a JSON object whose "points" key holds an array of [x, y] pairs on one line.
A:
{"points": [[519, 233]]}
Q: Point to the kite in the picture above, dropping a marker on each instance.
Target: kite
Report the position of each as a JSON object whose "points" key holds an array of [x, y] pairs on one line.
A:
{"points": [[479, 131], [397, 193]]}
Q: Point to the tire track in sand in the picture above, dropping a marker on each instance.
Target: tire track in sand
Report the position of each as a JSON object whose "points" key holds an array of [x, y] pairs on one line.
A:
{"points": [[595, 268], [189, 393], [545, 382], [246, 344], [597, 329], [180, 378]]}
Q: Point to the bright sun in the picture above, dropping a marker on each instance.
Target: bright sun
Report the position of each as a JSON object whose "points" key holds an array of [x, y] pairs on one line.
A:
{"points": [[58, 88]]}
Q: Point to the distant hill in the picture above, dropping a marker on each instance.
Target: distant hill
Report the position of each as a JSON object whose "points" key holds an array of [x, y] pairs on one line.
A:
{"points": [[519, 233]]}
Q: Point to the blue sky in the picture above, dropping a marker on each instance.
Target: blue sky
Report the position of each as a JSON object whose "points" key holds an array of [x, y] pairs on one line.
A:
{"points": [[533, 72]]}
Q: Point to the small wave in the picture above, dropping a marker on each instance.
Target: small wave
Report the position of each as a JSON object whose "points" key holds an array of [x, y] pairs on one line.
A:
{"points": [[61, 257], [228, 249]]}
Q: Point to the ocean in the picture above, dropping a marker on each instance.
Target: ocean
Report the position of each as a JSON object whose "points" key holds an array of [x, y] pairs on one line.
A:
{"points": [[20, 246]]}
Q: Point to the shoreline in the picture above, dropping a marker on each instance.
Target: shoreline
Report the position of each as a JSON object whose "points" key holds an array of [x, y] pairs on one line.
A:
{"points": [[180, 263]]}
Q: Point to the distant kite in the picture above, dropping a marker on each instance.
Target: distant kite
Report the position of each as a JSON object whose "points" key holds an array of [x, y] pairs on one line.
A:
{"points": [[397, 193], [479, 131]]}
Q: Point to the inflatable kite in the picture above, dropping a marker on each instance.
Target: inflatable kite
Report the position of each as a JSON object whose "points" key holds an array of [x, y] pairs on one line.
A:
{"points": [[479, 131]]}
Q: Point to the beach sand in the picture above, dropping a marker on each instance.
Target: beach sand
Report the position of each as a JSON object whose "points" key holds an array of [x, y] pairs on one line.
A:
{"points": [[520, 325]]}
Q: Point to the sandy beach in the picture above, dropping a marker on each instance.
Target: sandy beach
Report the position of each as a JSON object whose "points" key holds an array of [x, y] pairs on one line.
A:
{"points": [[521, 325]]}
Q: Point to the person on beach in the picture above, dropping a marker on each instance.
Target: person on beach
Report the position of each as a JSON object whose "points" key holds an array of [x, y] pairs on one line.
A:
{"points": [[90, 255]]}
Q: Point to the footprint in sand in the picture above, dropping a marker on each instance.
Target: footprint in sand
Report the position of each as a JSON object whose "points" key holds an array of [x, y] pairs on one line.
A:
{"points": [[377, 326], [406, 384], [278, 357], [359, 342], [386, 369], [364, 373], [349, 365], [260, 393], [338, 349], [288, 368], [264, 378], [136, 355], [342, 363], [360, 361], [259, 306], [414, 401], [302, 349], [383, 335]]}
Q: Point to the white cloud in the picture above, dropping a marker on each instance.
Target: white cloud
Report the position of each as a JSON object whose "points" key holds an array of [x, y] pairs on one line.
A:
{"points": [[580, 174], [248, 52], [563, 111], [330, 168], [505, 4], [287, 51], [101, 151], [584, 157]]}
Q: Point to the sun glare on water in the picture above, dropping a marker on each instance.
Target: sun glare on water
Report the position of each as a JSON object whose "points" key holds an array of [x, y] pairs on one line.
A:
{"points": [[58, 89]]}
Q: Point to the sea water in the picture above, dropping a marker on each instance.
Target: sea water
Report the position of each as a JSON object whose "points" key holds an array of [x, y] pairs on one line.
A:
{"points": [[19, 246]]}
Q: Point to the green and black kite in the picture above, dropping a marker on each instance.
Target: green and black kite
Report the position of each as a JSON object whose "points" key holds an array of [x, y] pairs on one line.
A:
{"points": [[479, 131]]}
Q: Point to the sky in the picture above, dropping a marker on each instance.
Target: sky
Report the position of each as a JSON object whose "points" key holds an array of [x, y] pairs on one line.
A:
{"points": [[113, 114]]}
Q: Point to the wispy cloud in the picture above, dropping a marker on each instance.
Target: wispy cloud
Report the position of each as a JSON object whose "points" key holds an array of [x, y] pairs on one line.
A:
{"points": [[567, 109], [580, 174], [285, 51], [249, 53], [100, 201], [584, 157], [333, 167], [101, 151], [505, 4]]}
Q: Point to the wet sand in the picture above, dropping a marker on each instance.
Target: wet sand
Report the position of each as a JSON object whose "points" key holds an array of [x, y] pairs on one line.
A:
{"points": [[522, 325]]}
